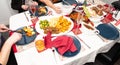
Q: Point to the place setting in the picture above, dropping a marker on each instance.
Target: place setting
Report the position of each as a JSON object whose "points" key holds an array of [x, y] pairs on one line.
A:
{"points": [[28, 35], [35, 9], [38, 11], [54, 34], [108, 31], [64, 45]]}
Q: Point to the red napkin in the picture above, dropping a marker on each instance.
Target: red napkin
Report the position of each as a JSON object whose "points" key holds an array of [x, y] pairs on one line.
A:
{"points": [[74, 29], [34, 20], [62, 43], [107, 18], [108, 8], [47, 40]]}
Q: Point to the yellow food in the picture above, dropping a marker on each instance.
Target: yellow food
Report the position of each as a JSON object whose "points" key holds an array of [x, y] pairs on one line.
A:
{"points": [[29, 31], [43, 24], [57, 25], [63, 24], [74, 15], [42, 10], [40, 45], [53, 21]]}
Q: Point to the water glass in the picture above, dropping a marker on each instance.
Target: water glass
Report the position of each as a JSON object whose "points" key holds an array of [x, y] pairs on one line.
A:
{"points": [[33, 9]]}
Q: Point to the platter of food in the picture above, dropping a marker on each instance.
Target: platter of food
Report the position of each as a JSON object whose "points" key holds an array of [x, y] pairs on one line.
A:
{"points": [[96, 13], [28, 35], [40, 11], [57, 25]]}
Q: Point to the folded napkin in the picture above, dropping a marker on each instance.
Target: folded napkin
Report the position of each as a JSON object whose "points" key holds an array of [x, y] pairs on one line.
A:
{"points": [[62, 43], [74, 29], [107, 18], [47, 40], [34, 21]]}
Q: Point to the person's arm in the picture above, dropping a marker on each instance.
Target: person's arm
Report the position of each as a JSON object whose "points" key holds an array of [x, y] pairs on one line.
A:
{"points": [[50, 4], [5, 51]]}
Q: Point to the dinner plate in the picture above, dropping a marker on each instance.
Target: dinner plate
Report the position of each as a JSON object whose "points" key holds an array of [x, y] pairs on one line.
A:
{"points": [[78, 46], [93, 15], [25, 39], [38, 13], [41, 31], [108, 31]]}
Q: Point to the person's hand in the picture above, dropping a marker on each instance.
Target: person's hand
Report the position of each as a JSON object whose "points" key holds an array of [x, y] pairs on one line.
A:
{"points": [[58, 10], [24, 7], [35, 3], [14, 38], [3, 28]]}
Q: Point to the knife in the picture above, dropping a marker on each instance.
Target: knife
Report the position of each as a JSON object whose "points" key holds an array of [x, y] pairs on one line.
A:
{"points": [[83, 41], [88, 27], [26, 16]]}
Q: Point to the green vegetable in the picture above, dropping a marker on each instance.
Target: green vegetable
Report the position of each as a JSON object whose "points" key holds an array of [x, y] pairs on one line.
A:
{"points": [[44, 24]]}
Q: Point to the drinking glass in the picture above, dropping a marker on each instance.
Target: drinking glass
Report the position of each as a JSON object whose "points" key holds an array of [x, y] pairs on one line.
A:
{"points": [[33, 9], [32, 6], [78, 22], [79, 17]]}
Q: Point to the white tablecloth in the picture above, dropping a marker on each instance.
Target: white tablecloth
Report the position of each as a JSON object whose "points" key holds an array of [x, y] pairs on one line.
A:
{"points": [[30, 56]]}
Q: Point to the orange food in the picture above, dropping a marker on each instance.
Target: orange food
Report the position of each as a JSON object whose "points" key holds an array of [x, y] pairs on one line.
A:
{"points": [[98, 11], [42, 10], [85, 19], [74, 15], [40, 45], [29, 31]]}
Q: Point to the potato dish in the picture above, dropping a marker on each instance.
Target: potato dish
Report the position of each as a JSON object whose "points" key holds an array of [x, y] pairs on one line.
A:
{"points": [[56, 25]]}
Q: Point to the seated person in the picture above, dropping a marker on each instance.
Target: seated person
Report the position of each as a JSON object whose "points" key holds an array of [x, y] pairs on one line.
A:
{"points": [[6, 48], [20, 5]]}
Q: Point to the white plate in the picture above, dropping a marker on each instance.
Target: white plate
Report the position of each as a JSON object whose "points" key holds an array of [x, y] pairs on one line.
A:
{"points": [[41, 31], [95, 18]]}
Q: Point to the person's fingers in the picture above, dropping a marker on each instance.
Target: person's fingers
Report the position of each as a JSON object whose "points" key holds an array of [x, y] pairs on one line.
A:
{"points": [[25, 7], [35, 3], [58, 10], [4, 29], [2, 26]]}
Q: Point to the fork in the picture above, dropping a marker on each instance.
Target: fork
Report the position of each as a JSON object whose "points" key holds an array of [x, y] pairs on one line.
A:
{"points": [[97, 33]]}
